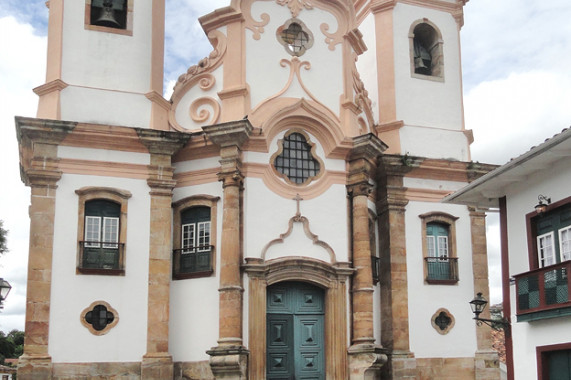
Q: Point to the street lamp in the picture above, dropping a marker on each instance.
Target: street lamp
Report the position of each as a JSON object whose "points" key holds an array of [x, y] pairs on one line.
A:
{"points": [[4, 290], [478, 304]]}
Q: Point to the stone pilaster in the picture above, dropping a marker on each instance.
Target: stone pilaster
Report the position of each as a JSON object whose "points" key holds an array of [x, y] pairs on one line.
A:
{"points": [[391, 205], [157, 362], [365, 358], [38, 141], [486, 361], [229, 360]]}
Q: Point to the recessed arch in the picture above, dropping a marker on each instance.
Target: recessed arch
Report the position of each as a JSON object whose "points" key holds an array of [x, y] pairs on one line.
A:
{"points": [[426, 50]]}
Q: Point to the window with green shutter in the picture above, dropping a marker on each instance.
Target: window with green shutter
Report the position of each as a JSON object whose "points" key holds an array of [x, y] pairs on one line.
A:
{"points": [[100, 245]]}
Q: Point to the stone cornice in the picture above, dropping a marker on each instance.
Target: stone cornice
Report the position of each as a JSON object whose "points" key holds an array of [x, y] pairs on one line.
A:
{"points": [[234, 133], [55, 85], [162, 142], [368, 147], [38, 140]]}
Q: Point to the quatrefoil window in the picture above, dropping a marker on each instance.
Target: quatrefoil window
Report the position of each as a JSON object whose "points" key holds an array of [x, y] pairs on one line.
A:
{"points": [[295, 37], [295, 160], [442, 321], [99, 317]]}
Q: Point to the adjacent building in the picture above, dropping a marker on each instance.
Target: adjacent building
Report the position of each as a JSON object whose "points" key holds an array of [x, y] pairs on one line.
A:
{"points": [[279, 217], [532, 194]]}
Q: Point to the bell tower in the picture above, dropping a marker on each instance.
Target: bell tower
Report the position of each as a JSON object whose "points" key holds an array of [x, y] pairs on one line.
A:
{"points": [[105, 63], [416, 83]]}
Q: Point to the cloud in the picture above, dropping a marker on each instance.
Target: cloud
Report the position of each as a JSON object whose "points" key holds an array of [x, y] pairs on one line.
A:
{"points": [[22, 68], [514, 36], [509, 116]]}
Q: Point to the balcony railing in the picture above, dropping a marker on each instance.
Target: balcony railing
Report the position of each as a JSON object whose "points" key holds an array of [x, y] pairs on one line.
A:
{"points": [[192, 262], [544, 293], [441, 270], [101, 257]]}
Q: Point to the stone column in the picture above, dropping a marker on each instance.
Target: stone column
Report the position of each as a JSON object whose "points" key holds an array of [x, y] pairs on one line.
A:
{"points": [[365, 357], [229, 360], [486, 364], [39, 169], [391, 204], [157, 362]]}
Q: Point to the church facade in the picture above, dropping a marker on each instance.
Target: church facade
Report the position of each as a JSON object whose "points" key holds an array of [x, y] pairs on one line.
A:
{"points": [[278, 218]]}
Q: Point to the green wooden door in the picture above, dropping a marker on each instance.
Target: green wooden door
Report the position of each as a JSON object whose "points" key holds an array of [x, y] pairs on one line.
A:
{"points": [[559, 364], [295, 335], [438, 251]]}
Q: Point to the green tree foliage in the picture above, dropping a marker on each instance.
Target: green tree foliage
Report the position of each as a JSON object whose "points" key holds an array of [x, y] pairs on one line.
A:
{"points": [[11, 345], [3, 238]]}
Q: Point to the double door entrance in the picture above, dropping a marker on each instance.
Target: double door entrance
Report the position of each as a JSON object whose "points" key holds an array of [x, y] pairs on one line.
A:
{"points": [[295, 333]]}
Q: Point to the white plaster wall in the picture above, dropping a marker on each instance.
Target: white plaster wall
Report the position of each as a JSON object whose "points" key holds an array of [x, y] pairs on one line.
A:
{"points": [[267, 215], [194, 312], [552, 181], [71, 293], [434, 143], [367, 63], [426, 102], [90, 105], [107, 73], [432, 184], [200, 164], [104, 155], [107, 60], [429, 108], [266, 77], [424, 299]]}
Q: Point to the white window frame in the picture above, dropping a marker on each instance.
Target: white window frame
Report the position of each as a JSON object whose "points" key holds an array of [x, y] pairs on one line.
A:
{"points": [[431, 245], [188, 248], [541, 250], [565, 245], [203, 238], [89, 232], [442, 246], [110, 240]]}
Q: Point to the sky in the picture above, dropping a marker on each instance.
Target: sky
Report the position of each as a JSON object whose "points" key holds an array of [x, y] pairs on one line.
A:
{"points": [[516, 62]]}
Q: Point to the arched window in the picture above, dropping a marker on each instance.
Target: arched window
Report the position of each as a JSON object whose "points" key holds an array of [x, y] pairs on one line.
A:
{"points": [[194, 237], [439, 248], [426, 50], [102, 230]]}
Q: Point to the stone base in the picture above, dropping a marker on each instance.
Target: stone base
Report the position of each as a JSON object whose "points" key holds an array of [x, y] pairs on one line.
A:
{"points": [[365, 362], [401, 365], [86, 371], [445, 368], [229, 362], [157, 367], [193, 371], [487, 365], [32, 367]]}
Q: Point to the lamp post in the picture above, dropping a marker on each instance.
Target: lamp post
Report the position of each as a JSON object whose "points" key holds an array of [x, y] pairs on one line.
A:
{"points": [[4, 290], [478, 304]]}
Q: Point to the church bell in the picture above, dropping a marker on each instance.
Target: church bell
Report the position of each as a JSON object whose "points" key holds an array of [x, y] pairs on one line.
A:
{"points": [[107, 15]]}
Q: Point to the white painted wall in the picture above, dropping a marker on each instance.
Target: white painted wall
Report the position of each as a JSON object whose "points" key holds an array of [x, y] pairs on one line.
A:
{"points": [[426, 102], [425, 299], [104, 155], [266, 77], [266, 217], [107, 73], [552, 181], [194, 312], [71, 293]]}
